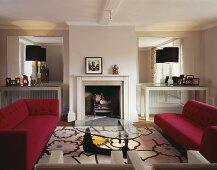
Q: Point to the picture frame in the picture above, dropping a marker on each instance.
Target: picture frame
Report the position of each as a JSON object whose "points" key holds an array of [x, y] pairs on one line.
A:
{"points": [[189, 81], [196, 81], [18, 80], [93, 65], [13, 82], [180, 81], [8, 81], [25, 80], [189, 76]]}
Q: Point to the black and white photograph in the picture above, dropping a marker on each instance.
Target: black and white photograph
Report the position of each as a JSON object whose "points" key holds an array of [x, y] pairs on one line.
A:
{"points": [[8, 81], [196, 81], [93, 65], [189, 76]]}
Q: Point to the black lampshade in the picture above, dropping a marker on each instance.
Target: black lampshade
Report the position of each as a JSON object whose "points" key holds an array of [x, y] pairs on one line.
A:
{"points": [[171, 54], [33, 52], [42, 56], [159, 56]]}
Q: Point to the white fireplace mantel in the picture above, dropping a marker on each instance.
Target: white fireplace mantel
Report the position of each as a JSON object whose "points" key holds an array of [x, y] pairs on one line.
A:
{"points": [[99, 75], [77, 84]]}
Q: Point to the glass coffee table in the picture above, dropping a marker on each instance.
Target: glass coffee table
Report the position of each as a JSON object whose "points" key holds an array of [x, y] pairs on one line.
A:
{"points": [[108, 128]]}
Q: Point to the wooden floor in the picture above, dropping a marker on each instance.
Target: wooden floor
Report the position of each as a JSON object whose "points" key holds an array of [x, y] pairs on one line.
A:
{"points": [[65, 123]]}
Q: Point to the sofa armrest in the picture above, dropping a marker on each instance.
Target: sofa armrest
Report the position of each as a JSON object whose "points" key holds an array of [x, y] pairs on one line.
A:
{"points": [[208, 146], [117, 157], [56, 162], [43, 106], [134, 159], [70, 166], [56, 157], [195, 157], [13, 149]]}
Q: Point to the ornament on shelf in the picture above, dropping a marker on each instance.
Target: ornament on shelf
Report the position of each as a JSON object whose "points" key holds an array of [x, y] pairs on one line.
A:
{"points": [[115, 69]]}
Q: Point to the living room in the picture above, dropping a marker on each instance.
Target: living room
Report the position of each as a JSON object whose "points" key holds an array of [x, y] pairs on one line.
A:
{"points": [[117, 42]]}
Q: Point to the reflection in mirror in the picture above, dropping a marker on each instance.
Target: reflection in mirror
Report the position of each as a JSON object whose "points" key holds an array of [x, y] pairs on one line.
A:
{"points": [[16, 56], [149, 70]]}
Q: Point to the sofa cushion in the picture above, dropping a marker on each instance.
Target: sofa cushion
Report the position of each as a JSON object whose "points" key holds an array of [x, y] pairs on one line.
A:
{"points": [[39, 129], [43, 106], [201, 113], [13, 114], [182, 130]]}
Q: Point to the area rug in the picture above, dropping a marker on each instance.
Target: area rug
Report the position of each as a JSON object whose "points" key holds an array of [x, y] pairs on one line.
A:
{"points": [[151, 146]]}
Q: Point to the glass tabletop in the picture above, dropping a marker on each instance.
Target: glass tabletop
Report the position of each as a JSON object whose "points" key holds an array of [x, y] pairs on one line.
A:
{"points": [[108, 127]]}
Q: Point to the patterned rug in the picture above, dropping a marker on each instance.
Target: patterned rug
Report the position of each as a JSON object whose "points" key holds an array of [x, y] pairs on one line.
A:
{"points": [[151, 146]]}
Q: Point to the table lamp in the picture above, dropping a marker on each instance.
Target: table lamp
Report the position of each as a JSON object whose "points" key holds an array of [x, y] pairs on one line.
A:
{"points": [[160, 59], [171, 55], [159, 56], [33, 54], [42, 58]]}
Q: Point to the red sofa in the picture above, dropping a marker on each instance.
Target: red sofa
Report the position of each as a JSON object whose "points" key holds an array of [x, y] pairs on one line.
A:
{"points": [[25, 128], [194, 129]]}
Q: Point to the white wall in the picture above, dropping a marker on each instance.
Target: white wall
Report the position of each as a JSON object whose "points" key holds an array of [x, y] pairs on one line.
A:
{"points": [[116, 45], [193, 58], [13, 57], [144, 66], [210, 52], [54, 61]]}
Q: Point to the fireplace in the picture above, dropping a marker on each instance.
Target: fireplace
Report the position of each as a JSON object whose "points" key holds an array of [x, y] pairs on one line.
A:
{"points": [[103, 101], [81, 86]]}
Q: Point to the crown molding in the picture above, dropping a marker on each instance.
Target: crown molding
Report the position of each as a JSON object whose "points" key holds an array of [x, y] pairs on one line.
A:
{"points": [[32, 28]]}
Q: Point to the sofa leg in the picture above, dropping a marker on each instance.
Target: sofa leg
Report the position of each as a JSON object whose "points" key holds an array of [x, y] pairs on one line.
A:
{"points": [[56, 157]]}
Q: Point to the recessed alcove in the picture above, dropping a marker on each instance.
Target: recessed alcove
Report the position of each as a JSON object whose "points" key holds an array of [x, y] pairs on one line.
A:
{"points": [[103, 101]]}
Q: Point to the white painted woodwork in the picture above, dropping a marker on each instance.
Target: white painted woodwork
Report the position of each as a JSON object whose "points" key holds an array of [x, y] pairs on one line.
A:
{"points": [[101, 80], [147, 99], [9, 94]]}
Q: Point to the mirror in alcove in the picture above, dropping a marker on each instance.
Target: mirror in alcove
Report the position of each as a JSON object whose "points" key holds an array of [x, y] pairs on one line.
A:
{"points": [[16, 56], [160, 101], [145, 44]]}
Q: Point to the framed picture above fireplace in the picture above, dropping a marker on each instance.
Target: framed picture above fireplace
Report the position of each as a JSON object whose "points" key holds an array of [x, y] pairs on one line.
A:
{"points": [[93, 65]]}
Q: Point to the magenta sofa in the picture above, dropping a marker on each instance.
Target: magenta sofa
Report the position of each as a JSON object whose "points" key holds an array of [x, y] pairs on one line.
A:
{"points": [[194, 129], [25, 128]]}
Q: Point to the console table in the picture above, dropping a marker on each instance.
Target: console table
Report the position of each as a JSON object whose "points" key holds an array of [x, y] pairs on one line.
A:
{"points": [[146, 88], [9, 94]]}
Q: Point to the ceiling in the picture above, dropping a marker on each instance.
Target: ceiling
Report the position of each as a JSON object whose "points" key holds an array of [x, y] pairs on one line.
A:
{"points": [[149, 42], [145, 15]]}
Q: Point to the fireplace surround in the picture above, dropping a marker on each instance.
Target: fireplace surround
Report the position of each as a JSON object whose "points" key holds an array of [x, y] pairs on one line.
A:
{"points": [[77, 93]]}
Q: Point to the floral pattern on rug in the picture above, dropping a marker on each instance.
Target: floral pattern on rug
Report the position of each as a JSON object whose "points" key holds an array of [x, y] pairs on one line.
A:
{"points": [[151, 146]]}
